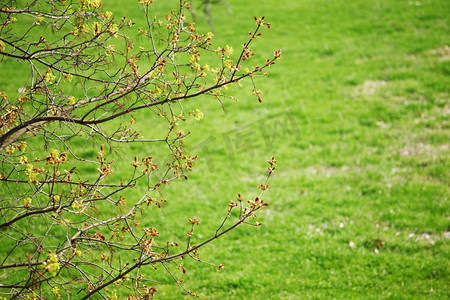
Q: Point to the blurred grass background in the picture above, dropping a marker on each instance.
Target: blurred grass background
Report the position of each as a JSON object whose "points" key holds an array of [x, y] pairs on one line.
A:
{"points": [[359, 113]]}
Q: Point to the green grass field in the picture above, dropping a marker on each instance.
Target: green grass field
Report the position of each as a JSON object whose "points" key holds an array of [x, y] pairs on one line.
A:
{"points": [[357, 115]]}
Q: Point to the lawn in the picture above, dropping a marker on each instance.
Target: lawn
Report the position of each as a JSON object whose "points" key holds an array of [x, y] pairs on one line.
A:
{"points": [[357, 116]]}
